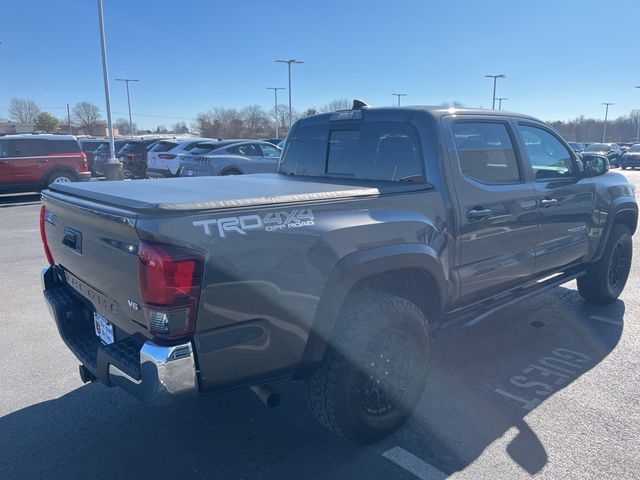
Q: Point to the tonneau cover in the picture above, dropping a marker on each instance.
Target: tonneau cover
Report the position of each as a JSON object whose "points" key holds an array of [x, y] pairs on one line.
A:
{"points": [[203, 193]]}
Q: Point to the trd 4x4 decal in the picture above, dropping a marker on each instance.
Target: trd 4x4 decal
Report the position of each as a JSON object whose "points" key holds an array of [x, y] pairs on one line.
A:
{"points": [[270, 222]]}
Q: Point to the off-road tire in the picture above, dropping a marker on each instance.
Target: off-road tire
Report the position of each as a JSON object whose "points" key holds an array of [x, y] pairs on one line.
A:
{"points": [[341, 392], [606, 278]]}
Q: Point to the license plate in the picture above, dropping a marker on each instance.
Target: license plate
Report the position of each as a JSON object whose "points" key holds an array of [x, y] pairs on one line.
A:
{"points": [[103, 328]]}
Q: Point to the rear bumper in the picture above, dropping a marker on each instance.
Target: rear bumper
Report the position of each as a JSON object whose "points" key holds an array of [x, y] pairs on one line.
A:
{"points": [[83, 176], [158, 374]]}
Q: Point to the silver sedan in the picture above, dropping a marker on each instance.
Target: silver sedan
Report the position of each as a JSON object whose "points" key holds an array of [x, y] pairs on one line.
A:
{"points": [[230, 157]]}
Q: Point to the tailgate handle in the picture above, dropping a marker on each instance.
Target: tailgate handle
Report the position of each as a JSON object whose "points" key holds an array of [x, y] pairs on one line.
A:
{"points": [[72, 239]]}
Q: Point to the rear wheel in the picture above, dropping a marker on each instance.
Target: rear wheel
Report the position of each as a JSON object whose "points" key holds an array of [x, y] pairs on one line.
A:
{"points": [[375, 369], [605, 279], [60, 177]]}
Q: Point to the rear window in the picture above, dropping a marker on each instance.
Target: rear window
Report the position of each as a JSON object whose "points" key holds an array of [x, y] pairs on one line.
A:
{"points": [[133, 146], [386, 151], [89, 147], [204, 148], [164, 146]]}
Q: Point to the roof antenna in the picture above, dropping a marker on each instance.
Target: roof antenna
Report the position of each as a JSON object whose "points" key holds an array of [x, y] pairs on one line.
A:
{"points": [[359, 105]]}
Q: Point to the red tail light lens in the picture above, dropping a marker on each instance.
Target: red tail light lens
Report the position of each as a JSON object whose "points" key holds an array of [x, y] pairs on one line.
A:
{"points": [[43, 235], [84, 166], [167, 156], [169, 279]]}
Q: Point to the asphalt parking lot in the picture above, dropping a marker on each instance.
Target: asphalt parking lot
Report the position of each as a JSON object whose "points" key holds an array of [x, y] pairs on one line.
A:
{"points": [[548, 388]]}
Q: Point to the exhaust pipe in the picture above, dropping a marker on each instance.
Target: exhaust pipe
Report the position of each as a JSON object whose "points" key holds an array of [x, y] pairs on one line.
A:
{"points": [[267, 395]]}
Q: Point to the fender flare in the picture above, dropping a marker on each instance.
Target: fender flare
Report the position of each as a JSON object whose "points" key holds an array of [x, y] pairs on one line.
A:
{"points": [[618, 206], [352, 269]]}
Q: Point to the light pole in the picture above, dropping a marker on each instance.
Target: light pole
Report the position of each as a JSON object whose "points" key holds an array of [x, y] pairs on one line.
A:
{"points": [[495, 78], [127, 80], [289, 62], [69, 119], [606, 115], [500, 99], [275, 107], [638, 119], [400, 95], [113, 168]]}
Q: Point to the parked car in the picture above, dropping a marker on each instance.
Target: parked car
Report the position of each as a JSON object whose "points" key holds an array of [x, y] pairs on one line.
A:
{"points": [[162, 158], [31, 162], [231, 157], [611, 150], [576, 147], [631, 159], [133, 156], [89, 146], [101, 156], [624, 147], [337, 269]]}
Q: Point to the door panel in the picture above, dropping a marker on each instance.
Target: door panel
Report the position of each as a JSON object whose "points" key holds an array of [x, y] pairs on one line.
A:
{"points": [[6, 169], [270, 158], [497, 209], [29, 160], [566, 201]]}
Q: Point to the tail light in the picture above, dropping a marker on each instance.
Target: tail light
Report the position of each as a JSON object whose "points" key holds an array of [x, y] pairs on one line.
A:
{"points": [[169, 279], [167, 156], [43, 235], [84, 166]]}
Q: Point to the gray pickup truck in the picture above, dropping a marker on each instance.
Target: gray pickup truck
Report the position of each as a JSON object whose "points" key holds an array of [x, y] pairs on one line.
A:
{"points": [[381, 227]]}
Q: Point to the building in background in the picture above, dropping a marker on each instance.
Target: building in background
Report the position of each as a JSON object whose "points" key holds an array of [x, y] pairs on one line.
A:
{"points": [[10, 128]]}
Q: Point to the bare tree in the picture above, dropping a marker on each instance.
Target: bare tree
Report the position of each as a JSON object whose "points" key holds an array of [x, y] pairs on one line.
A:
{"points": [[86, 114], [452, 104], [256, 121], [337, 104], [180, 127], [23, 111], [122, 124]]}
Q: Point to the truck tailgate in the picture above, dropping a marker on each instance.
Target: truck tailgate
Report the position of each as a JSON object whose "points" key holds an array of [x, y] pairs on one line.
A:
{"points": [[97, 248]]}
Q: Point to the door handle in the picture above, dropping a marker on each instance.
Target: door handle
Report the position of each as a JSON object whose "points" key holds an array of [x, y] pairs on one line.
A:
{"points": [[548, 202], [479, 213], [42, 160], [4, 162]]}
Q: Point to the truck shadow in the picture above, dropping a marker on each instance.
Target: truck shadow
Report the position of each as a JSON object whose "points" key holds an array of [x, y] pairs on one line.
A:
{"points": [[484, 381]]}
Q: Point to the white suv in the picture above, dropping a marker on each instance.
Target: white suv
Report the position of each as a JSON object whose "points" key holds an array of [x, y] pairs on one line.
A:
{"points": [[163, 158]]}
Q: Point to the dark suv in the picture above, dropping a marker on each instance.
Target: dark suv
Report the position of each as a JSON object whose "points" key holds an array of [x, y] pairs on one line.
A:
{"points": [[31, 162], [134, 157], [101, 156]]}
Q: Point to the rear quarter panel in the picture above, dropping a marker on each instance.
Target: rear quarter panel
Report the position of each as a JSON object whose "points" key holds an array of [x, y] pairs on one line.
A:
{"points": [[262, 285]]}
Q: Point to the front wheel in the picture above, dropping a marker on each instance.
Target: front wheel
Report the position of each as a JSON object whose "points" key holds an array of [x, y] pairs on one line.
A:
{"points": [[605, 279], [375, 369]]}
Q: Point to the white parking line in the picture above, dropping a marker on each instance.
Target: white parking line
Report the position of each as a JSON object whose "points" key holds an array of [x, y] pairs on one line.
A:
{"points": [[413, 464], [606, 320]]}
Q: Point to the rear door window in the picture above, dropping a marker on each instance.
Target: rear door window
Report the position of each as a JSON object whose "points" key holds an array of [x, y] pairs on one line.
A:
{"points": [[247, 150], [486, 153]]}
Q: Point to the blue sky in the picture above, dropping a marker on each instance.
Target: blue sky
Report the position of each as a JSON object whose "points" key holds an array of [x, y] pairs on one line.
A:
{"points": [[562, 58]]}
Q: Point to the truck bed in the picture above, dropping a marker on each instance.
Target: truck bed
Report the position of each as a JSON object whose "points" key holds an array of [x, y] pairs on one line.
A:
{"points": [[205, 193]]}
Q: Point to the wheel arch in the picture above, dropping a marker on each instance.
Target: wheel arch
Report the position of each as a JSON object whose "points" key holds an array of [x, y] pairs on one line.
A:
{"points": [[411, 271], [58, 170], [622, 211]]}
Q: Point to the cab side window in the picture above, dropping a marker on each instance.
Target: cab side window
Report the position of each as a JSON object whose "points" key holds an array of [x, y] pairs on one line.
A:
{"points": [[549, 158], [486, 153]]}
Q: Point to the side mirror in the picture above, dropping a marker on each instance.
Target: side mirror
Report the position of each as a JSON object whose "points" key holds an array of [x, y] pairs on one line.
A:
{"points": [[595, 165]]}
